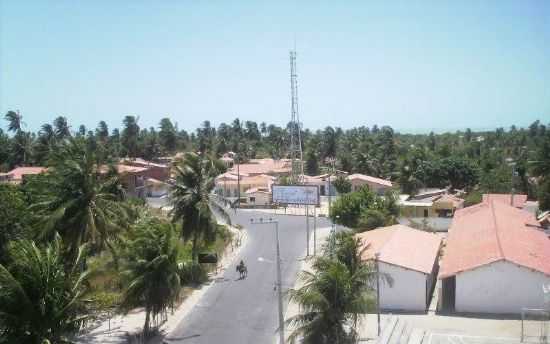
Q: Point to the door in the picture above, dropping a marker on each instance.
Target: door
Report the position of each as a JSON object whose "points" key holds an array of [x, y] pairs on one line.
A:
{"points": [[448, 288]]}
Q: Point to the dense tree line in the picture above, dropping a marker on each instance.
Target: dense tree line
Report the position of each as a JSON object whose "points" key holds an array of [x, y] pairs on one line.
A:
{"points": [[489, 161]]}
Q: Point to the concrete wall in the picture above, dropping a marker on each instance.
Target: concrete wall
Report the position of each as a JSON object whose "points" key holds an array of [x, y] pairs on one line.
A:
{"points": [[500, 287], [408, 291]]}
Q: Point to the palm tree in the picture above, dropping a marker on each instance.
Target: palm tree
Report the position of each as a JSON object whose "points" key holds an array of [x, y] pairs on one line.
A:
{"points": [[82, 198], [190, 197], [130, 135], [152, 270], [334, 295], [62, 130], [15, 121], [102, 131], [40, 298]]}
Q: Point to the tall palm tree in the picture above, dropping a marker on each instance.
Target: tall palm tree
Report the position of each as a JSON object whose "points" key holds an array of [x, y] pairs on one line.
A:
{"points": [[152, 270], [190, 196], [40, 299], [82, 198], [130, 135], [15, 121], [62, 130], [334, 295]]}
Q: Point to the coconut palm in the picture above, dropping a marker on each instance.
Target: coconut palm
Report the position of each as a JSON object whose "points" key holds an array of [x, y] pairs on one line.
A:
{"points": [[334, 295], [40, 298], [15, 121], [62, 130], [152, 270], [82, 199], [190, 196]]}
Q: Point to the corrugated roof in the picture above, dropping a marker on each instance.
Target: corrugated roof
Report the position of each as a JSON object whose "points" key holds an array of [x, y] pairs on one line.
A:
{"points": [[519, 199], [493, 231], [371, 179], [402, 246]]}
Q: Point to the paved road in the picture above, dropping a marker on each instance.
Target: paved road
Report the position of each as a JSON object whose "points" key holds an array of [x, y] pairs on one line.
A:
{"points": [[236, 311]]}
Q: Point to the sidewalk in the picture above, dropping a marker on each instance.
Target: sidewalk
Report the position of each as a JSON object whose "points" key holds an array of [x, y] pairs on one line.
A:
{"points": [[117, 328]]}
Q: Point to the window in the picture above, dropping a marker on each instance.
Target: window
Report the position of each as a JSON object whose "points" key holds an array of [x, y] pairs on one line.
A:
{"points": [[252, 199]]}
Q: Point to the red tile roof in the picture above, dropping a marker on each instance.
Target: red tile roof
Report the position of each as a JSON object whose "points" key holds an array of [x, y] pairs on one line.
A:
{"points": [[263, 166], [374, 180], [494, 231], [17, 173], [519, 199], [122, 169], [402, 246]]}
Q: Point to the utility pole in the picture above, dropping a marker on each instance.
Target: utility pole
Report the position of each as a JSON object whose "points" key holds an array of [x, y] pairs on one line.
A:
{"points": [[261, 221], [279, 289], [307, 230], [238, 182], [376, 256], [314, 230]]}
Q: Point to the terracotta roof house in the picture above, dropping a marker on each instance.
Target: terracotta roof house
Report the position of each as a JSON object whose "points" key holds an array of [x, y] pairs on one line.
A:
{"points": [[258, 196], [496, 260], [263, 166], [377, 185], [154, 170], [228, 184], [409, 256], [17, 175], [519, 199]]}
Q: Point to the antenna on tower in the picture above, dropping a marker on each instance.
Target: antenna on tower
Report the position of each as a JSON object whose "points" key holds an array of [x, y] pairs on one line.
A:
{"points": [[295, 126]]}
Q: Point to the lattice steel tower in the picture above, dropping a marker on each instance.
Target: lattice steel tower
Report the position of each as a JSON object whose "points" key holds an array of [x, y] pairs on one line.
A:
{"points": [[295, 126]]}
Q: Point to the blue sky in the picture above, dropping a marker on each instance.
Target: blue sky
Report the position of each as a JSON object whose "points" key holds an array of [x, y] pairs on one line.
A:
{"points": [[414, 65]]}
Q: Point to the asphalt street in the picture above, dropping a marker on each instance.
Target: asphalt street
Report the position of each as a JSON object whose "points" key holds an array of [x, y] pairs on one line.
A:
{"points": [[237, 311]]}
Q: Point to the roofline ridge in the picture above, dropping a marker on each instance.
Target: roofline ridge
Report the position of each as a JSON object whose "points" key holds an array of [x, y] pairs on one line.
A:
{"points": [[496, 229]]}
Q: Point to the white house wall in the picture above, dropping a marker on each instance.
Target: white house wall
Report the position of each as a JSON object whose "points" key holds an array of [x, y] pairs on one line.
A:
{"points": [[500, 287], [408, 291]]}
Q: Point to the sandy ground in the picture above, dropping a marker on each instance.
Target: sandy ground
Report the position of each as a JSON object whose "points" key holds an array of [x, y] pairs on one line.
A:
{"points": [[116, 329]]}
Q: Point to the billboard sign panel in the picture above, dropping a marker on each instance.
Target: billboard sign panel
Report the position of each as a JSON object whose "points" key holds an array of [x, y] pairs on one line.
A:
{"points": [[296, 194]]}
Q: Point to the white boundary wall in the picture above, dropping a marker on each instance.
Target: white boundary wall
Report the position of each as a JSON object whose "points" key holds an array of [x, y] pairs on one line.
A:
{"points": [[500, 287], [408, 291]]}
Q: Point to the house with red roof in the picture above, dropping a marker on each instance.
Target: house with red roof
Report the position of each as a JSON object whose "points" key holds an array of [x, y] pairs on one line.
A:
{"points": [[377, 185], [17, 175], [516, 200], [496, 260], [409, 257]]}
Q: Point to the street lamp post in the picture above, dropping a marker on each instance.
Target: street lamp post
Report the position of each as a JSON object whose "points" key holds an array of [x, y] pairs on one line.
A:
{"points": [[279, 283], [376, 256]]}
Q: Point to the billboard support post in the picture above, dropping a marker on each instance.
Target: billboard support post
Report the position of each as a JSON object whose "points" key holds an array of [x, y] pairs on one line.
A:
{"points": [[314, 229], [307, 230]]}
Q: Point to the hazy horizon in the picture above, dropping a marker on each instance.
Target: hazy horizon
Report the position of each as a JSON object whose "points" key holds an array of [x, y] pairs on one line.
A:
{"points": [[416, 67]]}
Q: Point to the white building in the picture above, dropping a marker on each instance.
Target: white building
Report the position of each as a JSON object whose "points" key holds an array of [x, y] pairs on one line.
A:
{"points": [[258, 197], [409, 257], [377, 185], [496, 261]]}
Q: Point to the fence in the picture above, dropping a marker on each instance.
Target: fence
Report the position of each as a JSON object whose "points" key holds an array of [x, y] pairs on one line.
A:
{"points": [[535, 325]]}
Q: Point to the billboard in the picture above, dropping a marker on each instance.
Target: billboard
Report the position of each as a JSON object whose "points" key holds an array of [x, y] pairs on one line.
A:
{"points": [[296, 194]]}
